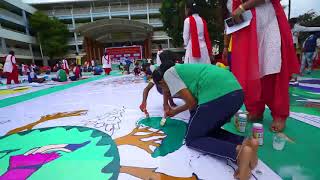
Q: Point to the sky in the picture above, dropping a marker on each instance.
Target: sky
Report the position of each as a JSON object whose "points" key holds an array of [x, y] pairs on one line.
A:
{"points": [[302, 6], [298, 6]]}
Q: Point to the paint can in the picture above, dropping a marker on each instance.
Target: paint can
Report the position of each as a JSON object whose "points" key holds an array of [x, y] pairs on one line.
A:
{"points": [[257, 132], [241, 122]]}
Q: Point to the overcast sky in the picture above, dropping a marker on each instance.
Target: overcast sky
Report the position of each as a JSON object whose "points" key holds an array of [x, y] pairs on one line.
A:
{"points": [[302, 6], [298, 6]]}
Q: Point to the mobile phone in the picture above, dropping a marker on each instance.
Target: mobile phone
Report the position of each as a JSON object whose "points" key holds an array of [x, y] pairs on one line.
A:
{"points": [[230, 22]]}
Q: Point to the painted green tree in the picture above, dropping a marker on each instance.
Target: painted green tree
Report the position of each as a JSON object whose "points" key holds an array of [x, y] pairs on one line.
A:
{"points": [[51, 34], [173, 15]]}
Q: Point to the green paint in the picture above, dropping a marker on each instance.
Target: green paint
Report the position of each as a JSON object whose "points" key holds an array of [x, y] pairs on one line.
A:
{"points": [[92, 161], [17, 99], [175, 131], [313, 74], [302, 154]]}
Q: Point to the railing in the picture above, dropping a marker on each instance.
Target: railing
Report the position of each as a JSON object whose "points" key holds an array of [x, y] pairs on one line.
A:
{"points": [[104, 9], [142, 20], [36, 54], [21, 32], [61, 12], [155, 21], [21, 52], [160, 33], [11, 16], [77, 11], [155, 6]]}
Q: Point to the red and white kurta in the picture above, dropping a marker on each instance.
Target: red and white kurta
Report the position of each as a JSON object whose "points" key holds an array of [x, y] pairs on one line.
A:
{"points": [[196, 40]]}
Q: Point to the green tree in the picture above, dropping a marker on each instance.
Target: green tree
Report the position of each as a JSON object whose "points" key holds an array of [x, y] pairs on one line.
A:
{"points": [[173, 15], [51, 34]]}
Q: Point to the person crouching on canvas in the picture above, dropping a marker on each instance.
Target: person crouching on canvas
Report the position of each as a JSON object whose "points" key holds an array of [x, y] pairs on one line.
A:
{"points": [[213, 96]]}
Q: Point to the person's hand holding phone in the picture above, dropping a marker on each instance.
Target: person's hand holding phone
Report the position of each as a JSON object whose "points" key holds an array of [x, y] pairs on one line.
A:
{"points": [[237, 16]]}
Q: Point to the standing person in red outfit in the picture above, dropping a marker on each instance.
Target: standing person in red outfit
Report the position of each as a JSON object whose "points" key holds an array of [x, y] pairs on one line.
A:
{"points": [[106, 63], [196, 36], [11, 68], [264, 58]]}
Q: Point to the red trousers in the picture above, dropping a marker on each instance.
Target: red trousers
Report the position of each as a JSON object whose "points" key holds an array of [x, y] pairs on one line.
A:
{"points": [[67, 71], [107, 71], [274, 93], [13, 76]]}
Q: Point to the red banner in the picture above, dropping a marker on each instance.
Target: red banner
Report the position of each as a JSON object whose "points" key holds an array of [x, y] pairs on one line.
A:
{"points": [[117, 54]]}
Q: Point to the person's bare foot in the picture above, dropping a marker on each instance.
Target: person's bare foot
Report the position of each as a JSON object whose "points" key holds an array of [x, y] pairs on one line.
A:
{"points": [[255, 118], [278, 125], [254, 144], [244, 172]]}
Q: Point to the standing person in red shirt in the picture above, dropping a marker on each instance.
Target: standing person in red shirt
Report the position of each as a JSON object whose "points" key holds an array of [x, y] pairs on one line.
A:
{"points": [[11, 68]]}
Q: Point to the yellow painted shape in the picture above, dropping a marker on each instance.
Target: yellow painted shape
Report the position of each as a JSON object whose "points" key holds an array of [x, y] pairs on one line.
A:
{"points": [[13, 91]]}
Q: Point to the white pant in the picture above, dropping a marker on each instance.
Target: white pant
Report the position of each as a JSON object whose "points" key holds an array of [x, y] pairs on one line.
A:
{"points": [[307, 59]]}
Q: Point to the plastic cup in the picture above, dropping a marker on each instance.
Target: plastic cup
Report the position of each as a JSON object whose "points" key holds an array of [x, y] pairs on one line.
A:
{"points": [[279, 142]]}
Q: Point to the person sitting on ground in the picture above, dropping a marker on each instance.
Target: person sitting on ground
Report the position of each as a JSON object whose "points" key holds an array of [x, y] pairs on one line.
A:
{"points": [[137, 69], [213, 96], [121, 67], [76, 73], [97, 70], [32, 77], [128, 63], [1, 69], [61, 76]]}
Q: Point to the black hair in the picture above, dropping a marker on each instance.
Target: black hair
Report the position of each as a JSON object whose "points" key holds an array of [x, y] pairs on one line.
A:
{"points": [[77, 53], [157, 76], [159, 46], [167, 57], [11, 53], [158, 73], [192, 7]]}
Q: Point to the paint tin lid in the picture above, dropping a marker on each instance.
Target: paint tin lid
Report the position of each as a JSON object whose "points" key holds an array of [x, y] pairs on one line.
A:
{"points": [[257, 125], [243, 116]]}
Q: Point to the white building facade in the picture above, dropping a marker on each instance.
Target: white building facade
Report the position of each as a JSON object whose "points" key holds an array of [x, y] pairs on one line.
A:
{"points": [[74, 13], [15, 33]]}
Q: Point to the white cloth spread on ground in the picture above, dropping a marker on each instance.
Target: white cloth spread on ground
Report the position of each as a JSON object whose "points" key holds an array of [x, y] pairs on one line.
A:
{"points": [[102, 99]]}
